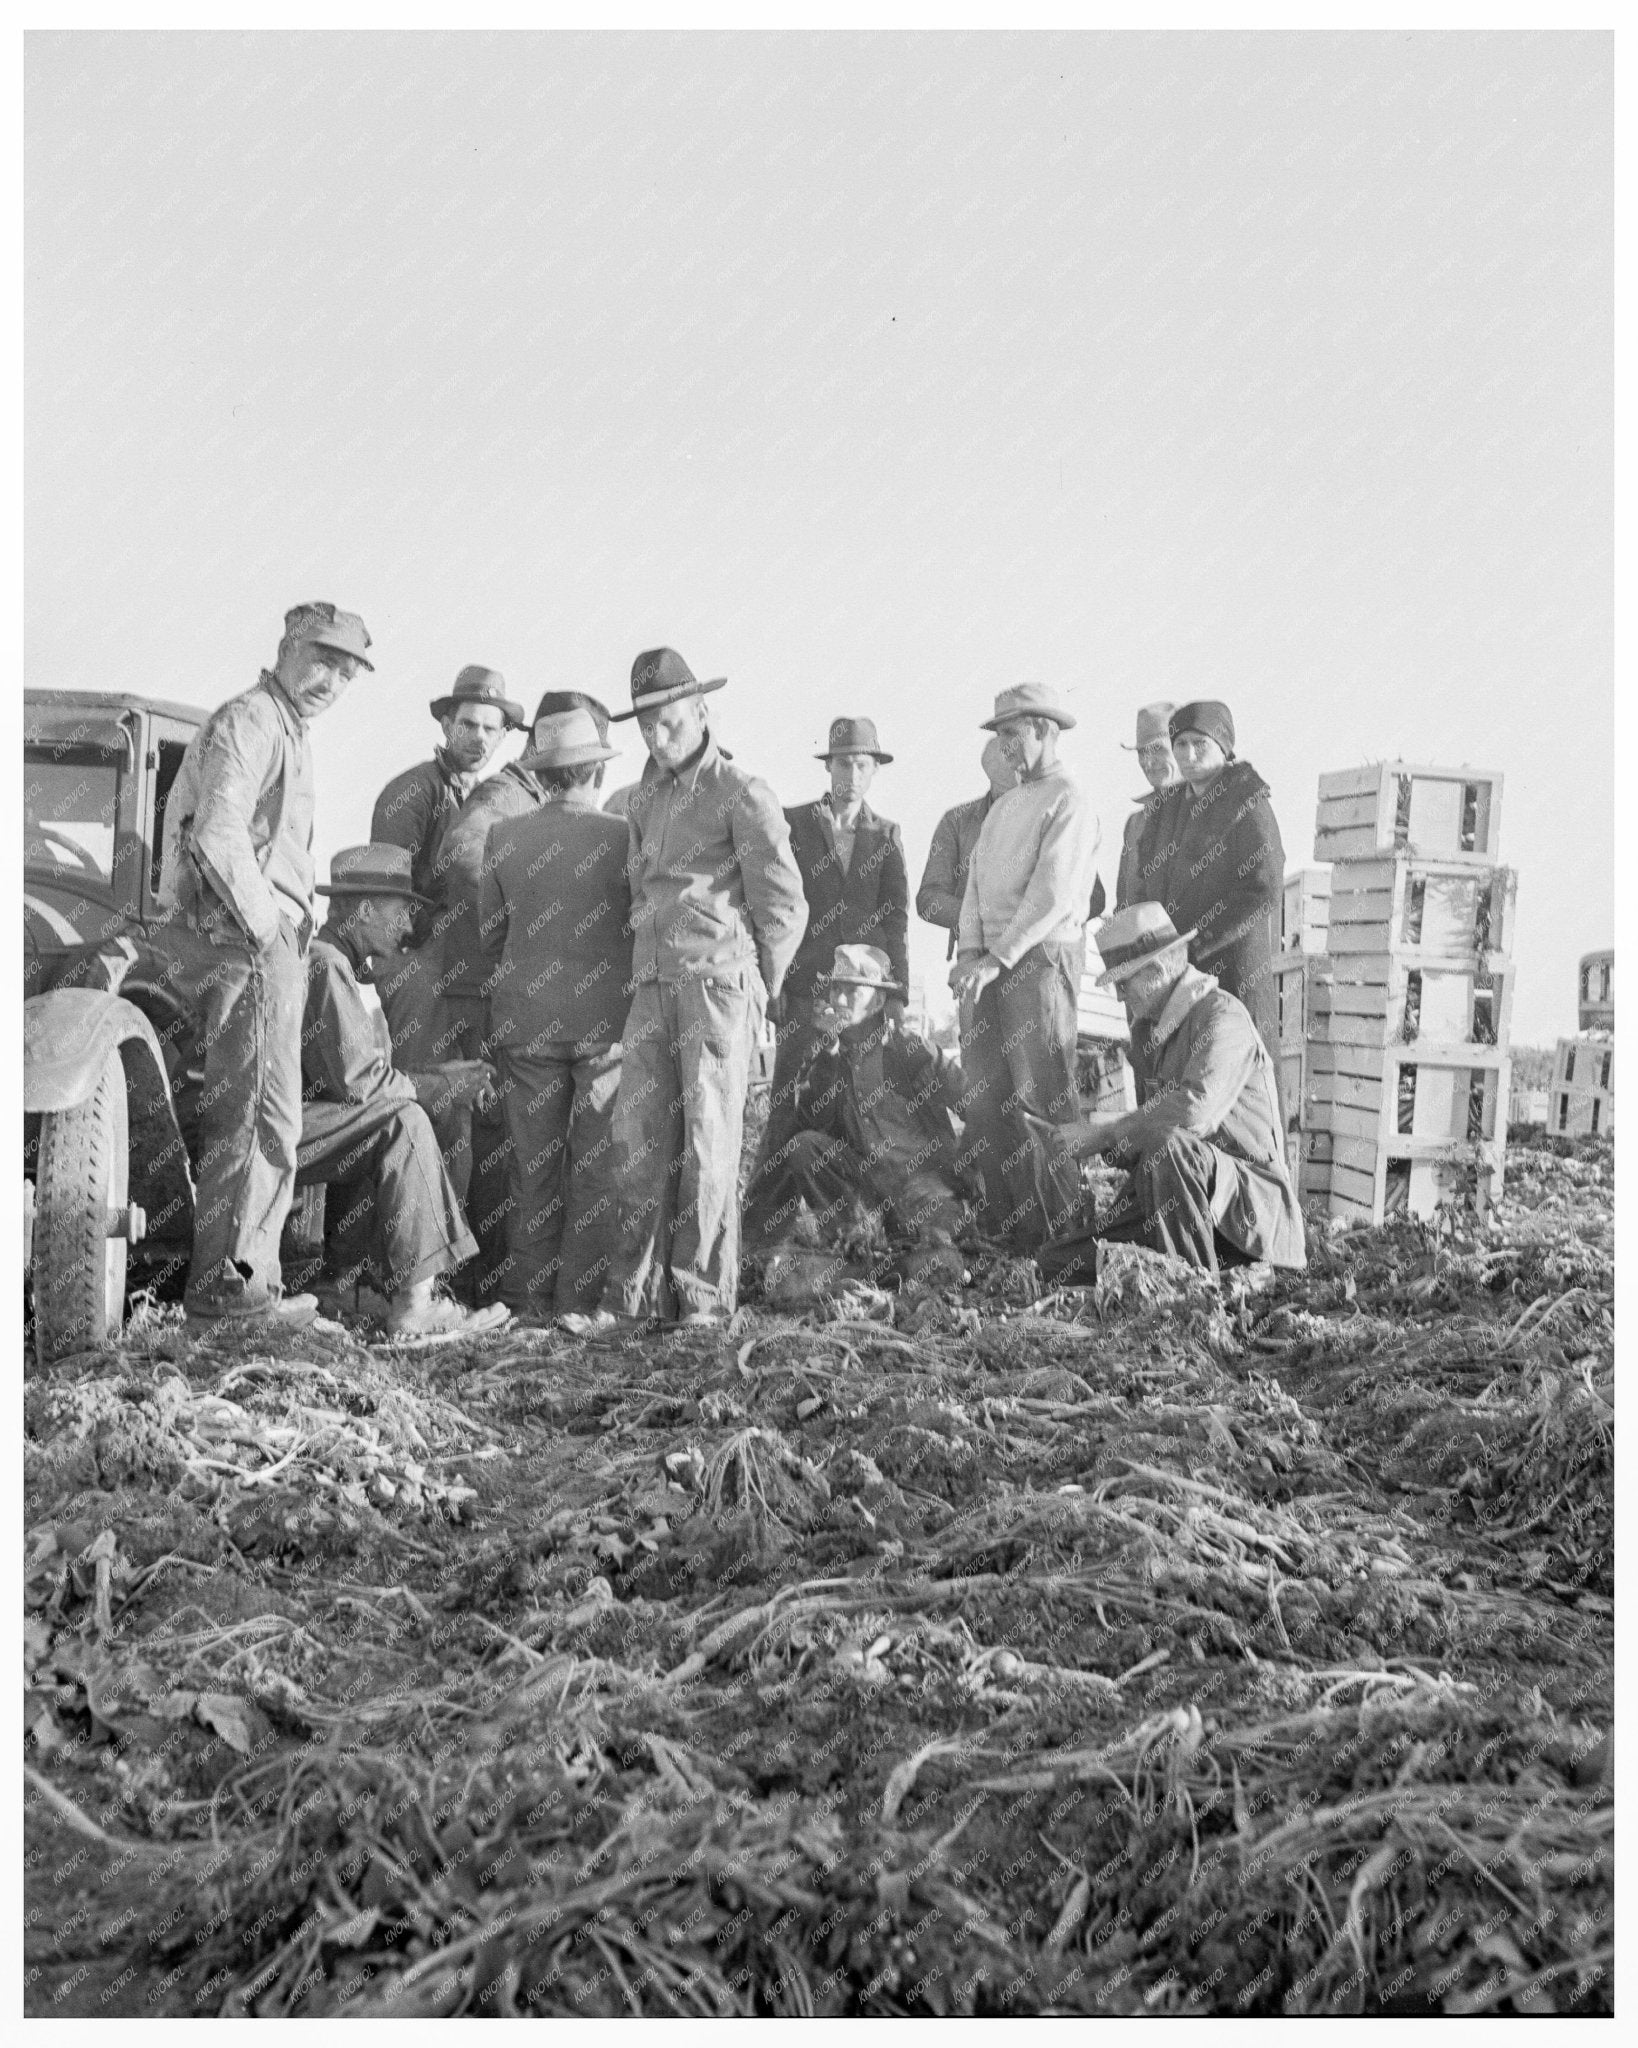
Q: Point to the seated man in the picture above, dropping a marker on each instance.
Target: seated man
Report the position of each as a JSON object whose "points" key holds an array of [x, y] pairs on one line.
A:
{"points": [[873, 1133], [395, 1218], [1209, 1179]]}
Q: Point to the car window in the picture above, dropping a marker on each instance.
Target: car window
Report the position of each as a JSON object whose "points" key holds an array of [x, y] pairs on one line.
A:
{"points": [[69, 808]]}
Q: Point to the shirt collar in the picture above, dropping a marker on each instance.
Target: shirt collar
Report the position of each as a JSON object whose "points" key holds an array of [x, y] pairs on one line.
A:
{"points": [[462, 780], [288, 710], [1191, 987], [690, 772], [332, 935]]}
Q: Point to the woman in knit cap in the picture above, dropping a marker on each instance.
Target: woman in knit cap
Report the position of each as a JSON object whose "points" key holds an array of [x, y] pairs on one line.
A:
{"points": [[1210, 852]]}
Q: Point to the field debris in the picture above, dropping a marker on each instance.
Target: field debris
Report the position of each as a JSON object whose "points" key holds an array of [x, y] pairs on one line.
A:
{"points": [[947, 1649]]}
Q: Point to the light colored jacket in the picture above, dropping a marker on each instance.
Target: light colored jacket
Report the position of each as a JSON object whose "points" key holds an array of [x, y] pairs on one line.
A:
{"points": [[1030, 878], [239, 819], [714, 888]]}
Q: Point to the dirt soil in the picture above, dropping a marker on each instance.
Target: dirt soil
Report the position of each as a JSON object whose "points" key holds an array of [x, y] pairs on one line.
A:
{"points": [[1140, 1648]]}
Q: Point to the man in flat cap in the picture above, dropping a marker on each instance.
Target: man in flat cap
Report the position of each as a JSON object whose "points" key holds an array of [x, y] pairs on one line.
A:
{"points": [[717, 915], [393, 1218], [853, 877], [238, 869], [556, 924], [1209, 1176], [1153, 747], [441, 812], [873, 1133], [1022, 950]]}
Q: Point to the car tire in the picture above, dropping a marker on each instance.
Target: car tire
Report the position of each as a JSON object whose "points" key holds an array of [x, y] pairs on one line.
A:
{"points": [[82, 1179]]}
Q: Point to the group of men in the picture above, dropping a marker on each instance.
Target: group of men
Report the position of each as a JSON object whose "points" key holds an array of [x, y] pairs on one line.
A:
{"points": [[547, 1112]]}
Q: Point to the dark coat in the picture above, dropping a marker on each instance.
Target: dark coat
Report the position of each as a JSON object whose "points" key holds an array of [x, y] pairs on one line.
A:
{"points": [[1215, 861], [1128, 886], [868, 906]]}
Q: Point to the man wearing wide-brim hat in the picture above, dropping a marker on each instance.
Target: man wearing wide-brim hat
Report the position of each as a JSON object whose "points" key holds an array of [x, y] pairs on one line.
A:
{"points": [[1152, 744], [1209, 1178], [393, 1217], [1018, 971], [238, 868], [441, 812], [556, 923], [873, 1141], [851, 862], [717, 914]]}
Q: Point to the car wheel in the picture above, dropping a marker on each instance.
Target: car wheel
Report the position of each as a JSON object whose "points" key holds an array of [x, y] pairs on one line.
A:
{"points": [[82, 1181]]}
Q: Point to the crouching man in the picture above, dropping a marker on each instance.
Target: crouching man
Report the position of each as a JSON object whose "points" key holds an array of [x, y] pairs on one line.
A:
{"points": [[873, 1131], [394, 1217], [1209, 1179]]}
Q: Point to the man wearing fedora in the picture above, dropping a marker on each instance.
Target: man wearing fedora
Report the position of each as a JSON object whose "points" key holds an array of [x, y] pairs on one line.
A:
{"points": [[717, 915], [441, 812], [237, 871], [1153, 747], [365, 1130], [944, 879], [556, 925], [1209, 1177], [873, 1131], [1022, 950], [853, 878]]}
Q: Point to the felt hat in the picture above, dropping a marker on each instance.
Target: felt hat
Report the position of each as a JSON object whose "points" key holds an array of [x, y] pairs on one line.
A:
{"points": [[864, 967], [479, 685], [1128, 939], [566, 739], [1153, 723], [661, 677], [575, 700], [374, 870], [321, 625], [1030, 700], [853, 736], [1206, 715]]}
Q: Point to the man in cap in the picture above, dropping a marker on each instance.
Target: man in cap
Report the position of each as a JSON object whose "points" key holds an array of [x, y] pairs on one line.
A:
{"points": [[873, 1122], [365, 1131], [1022, 949], [1153, 747], [717, 915], [441, 812], [238, 869], [944, 879], [853, 878], [1209, 1179], [556, 923]]}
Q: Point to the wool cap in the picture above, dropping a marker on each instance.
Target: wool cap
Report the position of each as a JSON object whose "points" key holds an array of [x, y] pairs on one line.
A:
{"points": [[1030, 700], [853, 736], [322, 625], [479, 685], [1207, 715], [1129, 938]]}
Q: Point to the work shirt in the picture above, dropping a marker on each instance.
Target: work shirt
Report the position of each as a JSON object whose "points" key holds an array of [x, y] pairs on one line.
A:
{"points": [[555, 919], [1031, 873], [714, 889], [856, 897], [944, 879], [239, 818], [342, 1060], [1202, 1067], [443, 819]]}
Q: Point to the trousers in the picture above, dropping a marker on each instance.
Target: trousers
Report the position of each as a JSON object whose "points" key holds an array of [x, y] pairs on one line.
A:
{"points": [[1168, 1203], [679, 1124], [249, 1007], [394, 1218], [1018, 1053], [837, 1183], [796, 1040], [564, 1214]]}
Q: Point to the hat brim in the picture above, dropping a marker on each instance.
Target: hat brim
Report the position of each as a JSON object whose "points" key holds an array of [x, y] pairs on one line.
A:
{"points": [[1059, 718], [888, 988], [875, 753], [570, 757], [674, 695], [335, 647], [382, 888], [1111, 976], [445, 707]]}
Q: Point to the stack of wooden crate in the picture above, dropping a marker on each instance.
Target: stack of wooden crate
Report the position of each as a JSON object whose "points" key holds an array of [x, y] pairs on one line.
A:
{"points": [[1583, 1092], [1305, 912], [1408, 1010]]}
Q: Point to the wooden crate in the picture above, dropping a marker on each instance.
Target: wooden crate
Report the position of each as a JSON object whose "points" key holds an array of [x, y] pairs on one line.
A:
{"points": [[1595, 992], [1383, 999], [1582, 1097], [1291, 996], [1401, 904], [1400, 1126], [1305, 909], [1438, 813]]}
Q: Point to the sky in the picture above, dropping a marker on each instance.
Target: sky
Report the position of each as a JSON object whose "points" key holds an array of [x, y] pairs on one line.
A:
{"points": [[876, 373]]}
